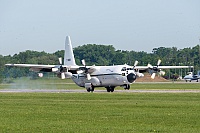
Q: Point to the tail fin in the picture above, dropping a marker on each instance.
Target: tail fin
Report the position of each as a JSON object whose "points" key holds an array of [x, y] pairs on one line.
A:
{"points": [[69, 55]]}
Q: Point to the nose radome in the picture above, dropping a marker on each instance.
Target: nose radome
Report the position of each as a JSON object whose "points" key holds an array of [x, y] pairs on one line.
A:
{"points": [[131, 77]]}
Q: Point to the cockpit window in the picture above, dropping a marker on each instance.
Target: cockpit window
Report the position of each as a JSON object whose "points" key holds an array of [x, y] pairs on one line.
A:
{"points": [[129, 68], [123, 69]]}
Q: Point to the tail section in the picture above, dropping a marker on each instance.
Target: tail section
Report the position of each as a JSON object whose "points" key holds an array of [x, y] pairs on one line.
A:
{"points": [[69, 55]]}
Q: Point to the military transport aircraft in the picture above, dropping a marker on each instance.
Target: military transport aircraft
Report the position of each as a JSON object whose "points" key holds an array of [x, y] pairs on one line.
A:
{"points": [[90, 77]]}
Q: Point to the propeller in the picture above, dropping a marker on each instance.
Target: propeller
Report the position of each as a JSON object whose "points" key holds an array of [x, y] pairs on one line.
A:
{"points": [[153, 75], [62, 74], [154, 69], [86, 70], [135, 64], [83, 62], [60, 60], [159, 61], [137, 72]]}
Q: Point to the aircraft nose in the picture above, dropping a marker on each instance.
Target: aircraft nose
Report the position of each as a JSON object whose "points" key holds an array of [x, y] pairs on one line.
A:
{"points": [[131, 77]]}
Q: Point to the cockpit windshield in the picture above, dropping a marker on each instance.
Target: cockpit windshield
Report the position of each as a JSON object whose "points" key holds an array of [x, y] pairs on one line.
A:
{"points": [[123, 69]]}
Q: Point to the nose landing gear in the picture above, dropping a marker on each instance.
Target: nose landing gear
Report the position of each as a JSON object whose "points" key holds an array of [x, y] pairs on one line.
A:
{"points": [[89, 87], [126, 86]]}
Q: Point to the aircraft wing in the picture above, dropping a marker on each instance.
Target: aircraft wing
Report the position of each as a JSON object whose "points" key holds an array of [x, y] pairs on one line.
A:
{"points": [[37, 67], [141, 67], [173, 67], [156, 68], [31, 65], [45, 68], [161, 67]]}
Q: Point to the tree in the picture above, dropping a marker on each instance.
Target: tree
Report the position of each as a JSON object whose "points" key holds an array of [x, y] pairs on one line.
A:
{"points": [[1, 68], [103, 55]]}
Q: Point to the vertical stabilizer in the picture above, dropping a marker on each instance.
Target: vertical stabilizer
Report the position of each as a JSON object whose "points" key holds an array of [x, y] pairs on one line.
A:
{"points": [[69, 55]]}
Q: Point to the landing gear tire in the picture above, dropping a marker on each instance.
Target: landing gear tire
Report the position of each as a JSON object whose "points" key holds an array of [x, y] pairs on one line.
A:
{"points": [[127, 87], [110, 88], [90, 89]]}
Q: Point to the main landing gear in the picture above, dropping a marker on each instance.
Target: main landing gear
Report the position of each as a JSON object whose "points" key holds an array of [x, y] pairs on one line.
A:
{"points": [[110, 88]]}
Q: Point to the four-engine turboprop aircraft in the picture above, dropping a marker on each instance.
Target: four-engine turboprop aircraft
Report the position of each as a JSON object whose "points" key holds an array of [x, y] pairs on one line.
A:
{"points": [[105, 76], [90, 77]]}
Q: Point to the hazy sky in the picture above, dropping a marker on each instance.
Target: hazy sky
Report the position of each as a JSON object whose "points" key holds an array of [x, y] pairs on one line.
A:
{"points": [[138, 25]]}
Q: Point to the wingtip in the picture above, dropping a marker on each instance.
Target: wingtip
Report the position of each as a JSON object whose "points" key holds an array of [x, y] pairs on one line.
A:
{"points": [[9, 64]]}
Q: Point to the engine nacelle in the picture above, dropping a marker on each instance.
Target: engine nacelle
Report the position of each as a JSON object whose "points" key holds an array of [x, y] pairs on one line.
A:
{"points": [[54, 69], [68, 74], [131, 77]]}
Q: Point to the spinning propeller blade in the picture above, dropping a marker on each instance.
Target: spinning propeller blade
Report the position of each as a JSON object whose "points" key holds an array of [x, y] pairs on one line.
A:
{"points": [[60, 60], [137, 72], [83, 62], [154, 69], [88, 76], [153, 75], [135, 64], [86, 70], [159, 61], [62, 73]]}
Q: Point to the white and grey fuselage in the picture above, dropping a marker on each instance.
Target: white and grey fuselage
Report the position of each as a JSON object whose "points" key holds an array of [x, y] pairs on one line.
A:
{"points": [[107, 76]]}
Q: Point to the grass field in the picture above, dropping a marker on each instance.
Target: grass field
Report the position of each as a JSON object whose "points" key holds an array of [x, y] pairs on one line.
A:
{"points": [[104, 112], [98, 112]]}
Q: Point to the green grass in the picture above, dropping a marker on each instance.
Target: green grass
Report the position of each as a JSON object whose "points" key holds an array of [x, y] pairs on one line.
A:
{"points": [[104, 112], [167, 85]]}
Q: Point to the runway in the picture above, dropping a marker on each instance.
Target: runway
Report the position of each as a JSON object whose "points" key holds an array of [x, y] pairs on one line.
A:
{"points": [[95, 91]]}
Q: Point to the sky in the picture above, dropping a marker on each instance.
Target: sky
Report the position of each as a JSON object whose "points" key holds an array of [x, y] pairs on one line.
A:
{"points": [[138, 25]]}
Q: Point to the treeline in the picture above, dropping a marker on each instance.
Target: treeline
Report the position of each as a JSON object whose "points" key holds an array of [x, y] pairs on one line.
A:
{"points": [[103, 55]]}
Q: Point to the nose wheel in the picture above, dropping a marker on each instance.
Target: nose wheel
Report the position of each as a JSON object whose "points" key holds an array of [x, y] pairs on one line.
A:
{"points": [[90, 89], [126, 86]]}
